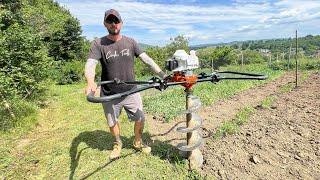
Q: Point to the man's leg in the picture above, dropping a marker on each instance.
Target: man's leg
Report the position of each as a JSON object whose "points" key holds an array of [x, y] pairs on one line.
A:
{"points": [[115, 131], [112, 111], [138, 143], [117, 144], [138, 130], [134, 108]]}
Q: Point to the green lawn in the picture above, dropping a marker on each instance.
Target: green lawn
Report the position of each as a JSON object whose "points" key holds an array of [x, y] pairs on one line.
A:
{"points": [[71, 141]]}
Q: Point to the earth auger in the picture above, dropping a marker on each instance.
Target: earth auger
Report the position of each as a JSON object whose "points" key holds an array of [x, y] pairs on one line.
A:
{"points": [[182, 66]]}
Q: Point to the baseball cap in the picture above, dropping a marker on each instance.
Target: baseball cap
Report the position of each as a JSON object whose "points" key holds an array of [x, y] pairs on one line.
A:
{"points": [[112, 12]]}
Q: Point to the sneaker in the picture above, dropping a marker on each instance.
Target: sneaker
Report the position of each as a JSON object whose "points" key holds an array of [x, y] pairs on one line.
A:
{"points": [[140, 146], [115, 153]]}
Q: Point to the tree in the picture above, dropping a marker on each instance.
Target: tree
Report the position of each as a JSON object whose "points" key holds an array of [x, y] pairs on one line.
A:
{"points": [[23, 61], [66, 44], [24, 64], [60, 31], [252, 57], [179, 42], [28, 29], [217, 57], [10, 13]]}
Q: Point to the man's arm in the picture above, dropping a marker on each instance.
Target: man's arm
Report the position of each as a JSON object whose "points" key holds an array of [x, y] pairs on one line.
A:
{"points": [[155, 68], [90, 72]]}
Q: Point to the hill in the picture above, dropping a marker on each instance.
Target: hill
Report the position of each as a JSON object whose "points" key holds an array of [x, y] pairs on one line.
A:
{"points": [[310, 44], [145, 46]]}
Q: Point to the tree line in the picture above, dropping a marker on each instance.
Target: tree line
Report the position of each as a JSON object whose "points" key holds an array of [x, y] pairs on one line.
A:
{"points": [[37, 37], [309, 44]]}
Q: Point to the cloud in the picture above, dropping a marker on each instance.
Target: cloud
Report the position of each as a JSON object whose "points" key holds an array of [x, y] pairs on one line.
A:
{"points": [[200, 22], [248, 28]]}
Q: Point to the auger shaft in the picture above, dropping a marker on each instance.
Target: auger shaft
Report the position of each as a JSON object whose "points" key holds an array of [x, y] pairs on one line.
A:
{"points": [[188, 115], [194, 139]]}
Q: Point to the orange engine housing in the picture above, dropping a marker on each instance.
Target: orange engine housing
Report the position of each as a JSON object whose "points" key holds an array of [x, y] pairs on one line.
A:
{"points": [[189, 80]]}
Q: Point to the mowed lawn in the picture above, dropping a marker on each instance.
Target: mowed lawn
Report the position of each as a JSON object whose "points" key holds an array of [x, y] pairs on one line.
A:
{"points": [[71, 140]]}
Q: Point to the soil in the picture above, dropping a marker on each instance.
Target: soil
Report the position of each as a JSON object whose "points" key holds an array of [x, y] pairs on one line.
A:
{"points": [[280, 142]]}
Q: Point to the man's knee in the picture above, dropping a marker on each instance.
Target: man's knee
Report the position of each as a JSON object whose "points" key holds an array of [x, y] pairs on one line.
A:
{"points": [[112, 122], [138, 116]]}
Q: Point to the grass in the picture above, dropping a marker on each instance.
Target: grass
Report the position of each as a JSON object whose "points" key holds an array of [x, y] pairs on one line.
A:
{"points": [[24, 115], [267, 102], [72, 140], [232, 127]]}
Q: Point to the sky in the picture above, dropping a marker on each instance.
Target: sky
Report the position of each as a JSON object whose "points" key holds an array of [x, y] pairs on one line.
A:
{"points": [[155, 22]]}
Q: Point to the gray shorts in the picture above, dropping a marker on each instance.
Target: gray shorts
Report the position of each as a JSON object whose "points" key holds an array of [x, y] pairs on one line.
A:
{"points": [[132, 105]]}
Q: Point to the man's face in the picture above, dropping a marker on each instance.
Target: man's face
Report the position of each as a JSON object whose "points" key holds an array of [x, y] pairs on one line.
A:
{"points": [[113, 25]]}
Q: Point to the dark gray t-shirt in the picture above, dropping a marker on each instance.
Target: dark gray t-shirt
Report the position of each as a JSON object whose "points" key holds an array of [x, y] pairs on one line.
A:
{"points": [[117, 61]]}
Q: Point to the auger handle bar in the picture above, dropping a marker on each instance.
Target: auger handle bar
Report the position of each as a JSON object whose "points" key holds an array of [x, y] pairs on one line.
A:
{"points": [[161, 84]]}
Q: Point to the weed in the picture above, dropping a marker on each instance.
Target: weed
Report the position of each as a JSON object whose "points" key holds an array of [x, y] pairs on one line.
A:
{"points": [[232, 127], [286, 88], [267, 102], [229, 127]]}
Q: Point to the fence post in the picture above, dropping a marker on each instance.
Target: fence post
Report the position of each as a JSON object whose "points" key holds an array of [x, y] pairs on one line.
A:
{"points": [[296, 58]]}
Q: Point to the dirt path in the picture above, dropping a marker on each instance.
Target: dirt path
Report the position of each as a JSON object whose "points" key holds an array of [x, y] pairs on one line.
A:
{"points": [[278, 143], [220, 112]]}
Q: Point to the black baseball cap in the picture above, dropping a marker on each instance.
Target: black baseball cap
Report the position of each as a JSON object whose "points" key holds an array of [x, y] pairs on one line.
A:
{"points": [[112, 12]]}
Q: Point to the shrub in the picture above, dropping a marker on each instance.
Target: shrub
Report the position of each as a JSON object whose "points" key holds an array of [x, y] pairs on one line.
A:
{"points": [[23, 62], [70, 72], [24, 66]]}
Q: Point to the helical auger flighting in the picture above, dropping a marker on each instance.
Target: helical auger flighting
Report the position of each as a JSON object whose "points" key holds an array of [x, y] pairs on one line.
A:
{"points": [[194, 138]]}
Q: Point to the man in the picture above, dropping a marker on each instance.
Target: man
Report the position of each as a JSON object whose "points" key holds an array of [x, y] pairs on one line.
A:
{"points": [[116, 53]]}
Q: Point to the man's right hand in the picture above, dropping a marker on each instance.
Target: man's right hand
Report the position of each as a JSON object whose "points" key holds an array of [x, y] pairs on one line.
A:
{"points": [[91, 88]]}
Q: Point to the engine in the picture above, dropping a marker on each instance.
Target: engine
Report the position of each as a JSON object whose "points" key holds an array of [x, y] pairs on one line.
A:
{"points": [[181, 61]]}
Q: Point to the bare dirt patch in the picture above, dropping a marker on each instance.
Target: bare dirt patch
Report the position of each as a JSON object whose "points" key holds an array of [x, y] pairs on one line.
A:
{"points": [[282, 142]]}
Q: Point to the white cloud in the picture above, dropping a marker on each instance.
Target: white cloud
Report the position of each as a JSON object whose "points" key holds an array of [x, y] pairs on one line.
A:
{"points": [[200, 23], [248, 28]]}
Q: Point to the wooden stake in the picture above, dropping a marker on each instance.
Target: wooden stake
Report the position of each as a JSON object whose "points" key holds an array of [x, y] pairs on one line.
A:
{"points": [[296, 58], [289, 56], [241, 59]]}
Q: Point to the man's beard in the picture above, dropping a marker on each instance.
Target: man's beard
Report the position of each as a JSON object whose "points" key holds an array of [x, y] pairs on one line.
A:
{"points": [[113, 31]]}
